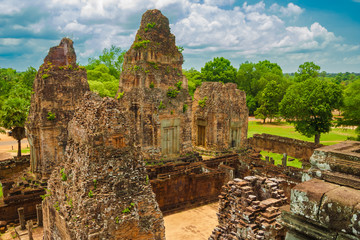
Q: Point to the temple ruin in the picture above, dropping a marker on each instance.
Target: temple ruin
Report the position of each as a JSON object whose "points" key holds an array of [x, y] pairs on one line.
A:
{"points": [[153, 87], [220, 117], [101, 189], [58, 89], [111, 168]]}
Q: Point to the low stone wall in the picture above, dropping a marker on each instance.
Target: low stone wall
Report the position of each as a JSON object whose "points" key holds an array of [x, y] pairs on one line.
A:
{"points": [[180, 185], [13, 166], [293, 147]]}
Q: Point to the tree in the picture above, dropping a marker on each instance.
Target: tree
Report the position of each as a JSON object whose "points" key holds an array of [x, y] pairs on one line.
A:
{"points": [[218, 70], [351, 109], [102, 82], [13, 114], [253, 78], [194, 79], [309, 104], [307, 70], [270, 99], [112, 58]]}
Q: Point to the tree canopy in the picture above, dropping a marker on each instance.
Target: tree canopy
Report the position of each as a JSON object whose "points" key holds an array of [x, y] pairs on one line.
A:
{"points": [[309, 105], [103, 73], [351, 109], [15, 101], [218, 70]]}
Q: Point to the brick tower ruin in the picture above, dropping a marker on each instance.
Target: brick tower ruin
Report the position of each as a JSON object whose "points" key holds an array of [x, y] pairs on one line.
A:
{"points": [[101, 190], [153, 87], [58, 89], [220, 116]]}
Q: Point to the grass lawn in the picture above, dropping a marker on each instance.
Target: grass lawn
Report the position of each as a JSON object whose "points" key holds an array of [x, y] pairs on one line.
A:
{"points": [[284, 129], [277, 157], [24, 150]]}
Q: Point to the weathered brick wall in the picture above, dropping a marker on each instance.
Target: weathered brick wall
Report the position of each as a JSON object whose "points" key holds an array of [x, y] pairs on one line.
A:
{"points": [[277, 144], [248, 209]]}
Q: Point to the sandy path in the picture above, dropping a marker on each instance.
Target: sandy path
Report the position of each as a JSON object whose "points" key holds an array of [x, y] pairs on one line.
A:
{"points": [[194, 224], [8, 144]]}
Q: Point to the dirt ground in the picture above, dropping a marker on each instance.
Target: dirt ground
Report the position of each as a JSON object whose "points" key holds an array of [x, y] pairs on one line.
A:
{"points": [[194, 224]]}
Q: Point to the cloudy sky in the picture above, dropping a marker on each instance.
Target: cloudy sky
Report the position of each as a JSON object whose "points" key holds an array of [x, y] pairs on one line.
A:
{"points": [[289, 33]]}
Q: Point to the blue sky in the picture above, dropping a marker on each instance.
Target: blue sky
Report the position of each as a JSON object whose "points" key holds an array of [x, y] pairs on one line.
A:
{"points": [[286, 32]]}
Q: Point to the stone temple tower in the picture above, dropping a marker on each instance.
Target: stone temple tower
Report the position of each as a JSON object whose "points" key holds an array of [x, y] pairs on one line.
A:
{"points": [[153, 87]]}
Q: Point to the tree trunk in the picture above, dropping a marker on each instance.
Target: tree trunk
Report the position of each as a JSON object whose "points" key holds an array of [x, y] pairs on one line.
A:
{"points": [[317, 138], [264, 121], [19, 148]]}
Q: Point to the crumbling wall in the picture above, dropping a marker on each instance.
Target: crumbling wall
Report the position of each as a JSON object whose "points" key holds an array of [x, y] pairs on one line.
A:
{"points": [[248, 209], [277, 144], [58, 89], [23, 191], [153, 87], [182, 185], [9, 168], [101, 190], [220, 116]]}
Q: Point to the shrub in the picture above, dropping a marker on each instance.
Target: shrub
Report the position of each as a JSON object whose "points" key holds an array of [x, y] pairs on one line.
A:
{"points": [[141, 44], [202, 102], [51, 116], [90, 194], [180, 48], [172, 92], [63, 175], [149, 26], [152, 85], [56, 206], [161, 105], [185, 107], [120, 95], [45, 76], [179, 85]]}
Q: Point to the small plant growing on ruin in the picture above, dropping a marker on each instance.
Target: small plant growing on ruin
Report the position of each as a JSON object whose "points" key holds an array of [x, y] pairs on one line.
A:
{"points": [[95, 183], [120, 95], [69, 67], [161, 106], [179, 85], [202, 102], [63, 175], [167, 69], [147, 179], [139, 38], [141, 44], [57, 206], [180, 48], [90, 194], [61, 67], [185, 107], [154, 65], [51, 116], [152, 85], [70, 202], [45, 76], [171, 112], [126, 210], [149, 26], [136, 67], [117, 220], [172, 92], [147, 71]]}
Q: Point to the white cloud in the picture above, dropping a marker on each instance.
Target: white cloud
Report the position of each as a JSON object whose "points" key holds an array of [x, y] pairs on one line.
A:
{"points": [[219, 2], [260, 6], [291, 10]]}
